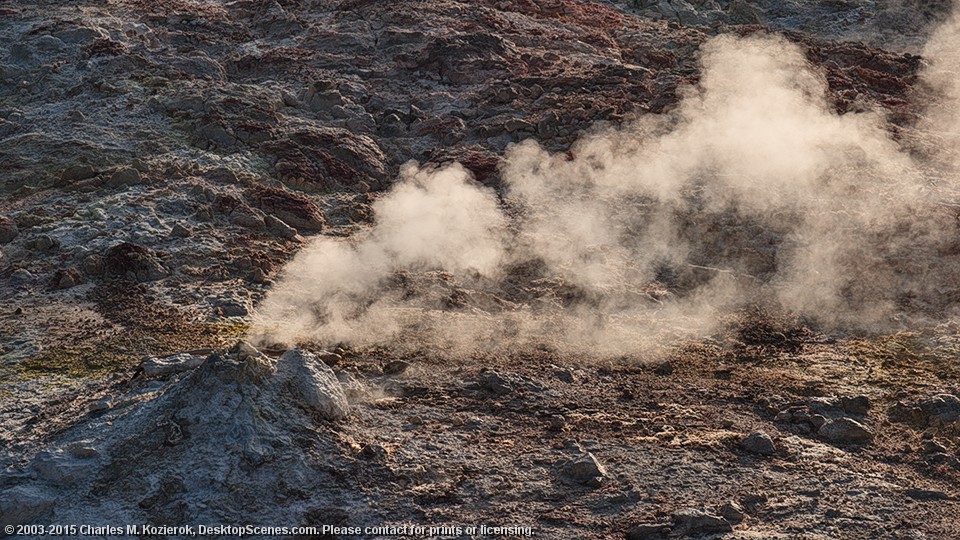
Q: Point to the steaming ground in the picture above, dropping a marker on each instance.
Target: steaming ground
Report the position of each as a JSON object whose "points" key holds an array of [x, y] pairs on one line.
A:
{"points": [[779, 235], [753, 191]]}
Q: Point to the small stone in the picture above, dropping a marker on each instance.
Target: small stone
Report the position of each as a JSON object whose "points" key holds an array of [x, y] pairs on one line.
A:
{"points": [[393, 126], [232, 308], [223, 174], [549, 125], [100, 405], [280, 227], [124, 177], [75, 173], [395, 367], [649, 531], [244, 350], [573, 446], [585, 468], [758, 442], [783, 416], [595, 482], [724, 373], [158, 367], [515, 124], [926, 494], [288, 99], [497, 384], [352, 387], [134, 262], [855, 405], [732, 512], [248, 217], [692, 522], [556, 422], [845, 431], [8, 230], [329, 358], [666, 368], [817, 421], [67, 278], [932, 447], [60, 468], [565, 375], [374, 451], [93, 265], [140, 165], [754, 501], [179, 231], [203, 214], [22, 275], [43, 242], [82, 450], [322, 96]]}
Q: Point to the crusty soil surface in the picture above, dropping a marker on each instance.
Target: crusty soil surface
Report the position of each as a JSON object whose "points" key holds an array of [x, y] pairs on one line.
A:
{"points": [[254, 126]]}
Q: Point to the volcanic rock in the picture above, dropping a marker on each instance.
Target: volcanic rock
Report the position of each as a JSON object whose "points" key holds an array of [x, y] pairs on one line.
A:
{"points": [[159, 367], [134, 262], [324, 158], [124, 177], [693, 522], [758, 442], [845, 431], [77, 172], [8, 230], [313, 383], [585, 469], [732, 512], [292, 208], [649, 531]]}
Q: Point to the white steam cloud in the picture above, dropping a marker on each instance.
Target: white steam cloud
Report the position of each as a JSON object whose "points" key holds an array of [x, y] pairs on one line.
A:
{"points": [[752, 190]]}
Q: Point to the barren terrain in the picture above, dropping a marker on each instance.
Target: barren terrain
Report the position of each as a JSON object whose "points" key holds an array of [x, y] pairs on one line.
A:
{"points": [[162, 163]]}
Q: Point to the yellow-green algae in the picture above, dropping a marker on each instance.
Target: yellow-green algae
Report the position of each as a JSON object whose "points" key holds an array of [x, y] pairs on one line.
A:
{"points": [[124, 350]]}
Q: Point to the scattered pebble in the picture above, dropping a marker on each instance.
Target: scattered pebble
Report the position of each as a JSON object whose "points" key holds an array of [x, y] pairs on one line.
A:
{"points": [[845, 431], [586, 469], [759, 443], [100, 405], [732, 512], [693, 522]]}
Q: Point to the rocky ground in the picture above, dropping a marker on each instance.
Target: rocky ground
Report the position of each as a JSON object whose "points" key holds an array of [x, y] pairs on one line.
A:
{"points": [[163, 160]]}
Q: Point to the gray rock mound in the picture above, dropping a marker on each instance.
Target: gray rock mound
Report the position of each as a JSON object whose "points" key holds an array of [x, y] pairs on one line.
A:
{"points": [[205, 446]]}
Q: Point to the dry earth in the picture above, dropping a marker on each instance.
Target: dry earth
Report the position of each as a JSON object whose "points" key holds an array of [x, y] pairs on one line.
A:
{"points": [[161, 161]]}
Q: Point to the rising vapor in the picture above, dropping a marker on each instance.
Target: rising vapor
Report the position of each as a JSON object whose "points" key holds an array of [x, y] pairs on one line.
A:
{"points": [[753, 190]]}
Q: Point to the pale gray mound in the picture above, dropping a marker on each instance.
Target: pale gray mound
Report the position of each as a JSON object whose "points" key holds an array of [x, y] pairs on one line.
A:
{"points": [[240, 439]]}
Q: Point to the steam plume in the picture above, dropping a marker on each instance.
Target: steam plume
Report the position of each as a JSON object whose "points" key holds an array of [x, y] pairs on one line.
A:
{"points": [[752, 190]]}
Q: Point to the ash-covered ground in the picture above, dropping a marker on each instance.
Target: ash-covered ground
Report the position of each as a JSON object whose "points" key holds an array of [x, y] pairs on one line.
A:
{"points": [[621, 269]]}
